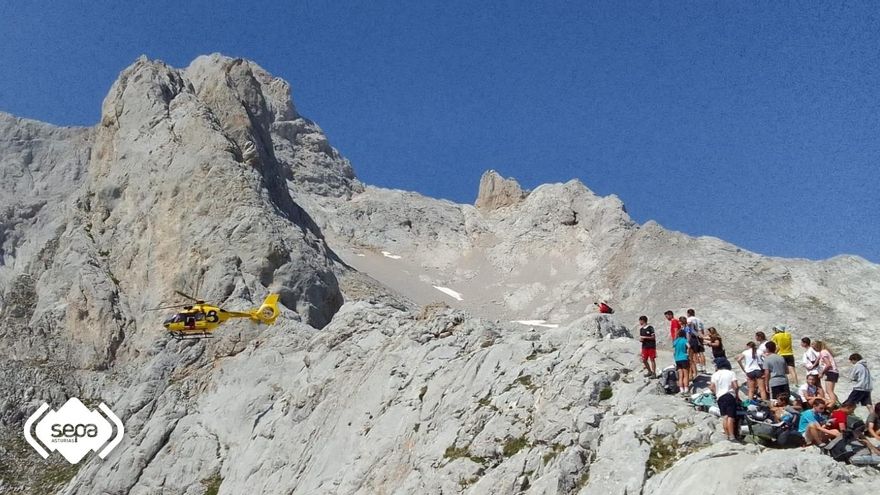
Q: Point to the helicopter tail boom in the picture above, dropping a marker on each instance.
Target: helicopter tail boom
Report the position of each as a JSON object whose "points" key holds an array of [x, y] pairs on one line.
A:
{"points": [[268, 312]]}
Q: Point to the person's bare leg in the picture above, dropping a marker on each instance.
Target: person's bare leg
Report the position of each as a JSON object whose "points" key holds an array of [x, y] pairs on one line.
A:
{"points": [[829, 389], [751, 384], [653, 367], [762, 389]]}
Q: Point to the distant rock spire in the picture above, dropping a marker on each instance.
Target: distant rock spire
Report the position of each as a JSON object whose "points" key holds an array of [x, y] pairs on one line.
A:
{"points": [[496, 191]]}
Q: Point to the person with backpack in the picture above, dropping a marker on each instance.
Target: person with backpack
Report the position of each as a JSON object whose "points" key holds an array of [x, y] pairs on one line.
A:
{"points": [[752, 365], [695, 345], [827, 369], [649, 347], [682, 363], [726, 389], [697, 329], [861, 375], [782, 339]]}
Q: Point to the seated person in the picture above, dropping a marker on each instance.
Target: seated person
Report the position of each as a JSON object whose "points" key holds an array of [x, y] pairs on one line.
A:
{"points": [[873, 423], [813, 426], [779, 408], [811, 390], [839, 415]]}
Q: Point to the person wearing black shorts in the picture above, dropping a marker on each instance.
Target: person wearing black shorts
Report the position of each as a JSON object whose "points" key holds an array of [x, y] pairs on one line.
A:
{"points": [[861, 375], [725, 387]]}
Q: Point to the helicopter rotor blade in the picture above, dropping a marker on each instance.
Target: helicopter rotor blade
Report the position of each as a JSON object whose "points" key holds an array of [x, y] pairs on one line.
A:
{"points": [[187, 296], [167, 307]]}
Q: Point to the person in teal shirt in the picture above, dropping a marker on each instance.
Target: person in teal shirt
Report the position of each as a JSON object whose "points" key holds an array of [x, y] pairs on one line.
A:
{"points": [[682, 364], [812, 425]]}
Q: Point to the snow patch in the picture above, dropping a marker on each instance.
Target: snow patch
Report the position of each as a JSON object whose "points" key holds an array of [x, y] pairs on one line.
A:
{"points": [[392, 256], [449, 292], [537, 323]]}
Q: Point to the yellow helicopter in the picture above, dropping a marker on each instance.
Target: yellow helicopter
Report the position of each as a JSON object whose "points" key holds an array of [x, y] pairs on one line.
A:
{"points": [[199, 320]]}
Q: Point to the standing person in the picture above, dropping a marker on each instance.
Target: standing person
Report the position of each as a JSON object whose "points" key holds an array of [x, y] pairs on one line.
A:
{"points": [[827, 370], [810, 360], [726, 389], [776, 373], [697, 328], [693, 342], [761, 342], [674, 325], [753, 370], [649, 347], [715, 342], [861, 375], [682, 365], [782, 339]]}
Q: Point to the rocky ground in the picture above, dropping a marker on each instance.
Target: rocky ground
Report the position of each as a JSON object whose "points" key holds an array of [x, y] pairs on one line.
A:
{"points": [[397, 365]]}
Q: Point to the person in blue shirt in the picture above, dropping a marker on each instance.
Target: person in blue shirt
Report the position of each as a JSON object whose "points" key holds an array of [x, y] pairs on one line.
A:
{"points": [[682, 363], [812, 425]]}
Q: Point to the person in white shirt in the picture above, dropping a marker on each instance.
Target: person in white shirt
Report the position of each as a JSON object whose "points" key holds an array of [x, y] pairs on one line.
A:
{"points": [[726, 389], [751, 362], [811, 357]]}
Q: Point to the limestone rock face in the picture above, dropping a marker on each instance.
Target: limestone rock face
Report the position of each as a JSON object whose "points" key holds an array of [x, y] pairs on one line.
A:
{"points": [[496, 191], [423, 347]]}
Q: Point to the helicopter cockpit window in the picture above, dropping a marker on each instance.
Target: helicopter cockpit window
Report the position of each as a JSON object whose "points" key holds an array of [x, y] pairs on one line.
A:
{"points": [[200, 316], [172, 319]]}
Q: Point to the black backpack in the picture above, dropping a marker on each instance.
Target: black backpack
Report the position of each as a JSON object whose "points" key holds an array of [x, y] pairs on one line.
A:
{"points": [[668, 382]]}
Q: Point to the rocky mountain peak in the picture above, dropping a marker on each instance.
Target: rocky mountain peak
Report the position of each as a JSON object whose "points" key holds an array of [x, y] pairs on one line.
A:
{"points": [[497, 192]]}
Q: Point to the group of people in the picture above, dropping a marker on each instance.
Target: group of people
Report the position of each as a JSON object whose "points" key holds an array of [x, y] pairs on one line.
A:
{"points": [[770, 374]]}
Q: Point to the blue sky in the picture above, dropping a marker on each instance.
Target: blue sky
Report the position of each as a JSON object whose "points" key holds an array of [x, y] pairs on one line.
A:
{"points": [[756, 124]]}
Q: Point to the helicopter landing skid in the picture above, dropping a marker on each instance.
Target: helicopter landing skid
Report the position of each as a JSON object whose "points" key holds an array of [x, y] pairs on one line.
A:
{"points": [[191, 336]]}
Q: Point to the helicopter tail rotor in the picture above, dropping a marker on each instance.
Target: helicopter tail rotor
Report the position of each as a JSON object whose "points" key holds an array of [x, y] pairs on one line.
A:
{"points": [[268, 312]]}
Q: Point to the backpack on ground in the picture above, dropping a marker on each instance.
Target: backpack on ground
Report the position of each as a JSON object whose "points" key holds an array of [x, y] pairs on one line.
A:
{"points": [[843, 448], [855, 425], [668, 382]]}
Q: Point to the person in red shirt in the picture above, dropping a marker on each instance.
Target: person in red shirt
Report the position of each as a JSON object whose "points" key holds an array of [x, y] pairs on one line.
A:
{"points": [[674, 325], [838, 417]]}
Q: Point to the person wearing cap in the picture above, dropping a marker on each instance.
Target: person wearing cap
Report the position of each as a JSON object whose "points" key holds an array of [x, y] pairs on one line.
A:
{"points": [[782, 339]]}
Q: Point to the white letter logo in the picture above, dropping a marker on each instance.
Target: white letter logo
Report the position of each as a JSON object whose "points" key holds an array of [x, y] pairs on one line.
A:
{"points": [[73, 430]]}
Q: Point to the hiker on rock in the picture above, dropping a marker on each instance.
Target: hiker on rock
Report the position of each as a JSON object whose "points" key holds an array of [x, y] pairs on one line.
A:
{"points": [[751, 364], [649, 347], [813, 427], [674, 325], [873, 423], [761, 342], [698, 334], [715, 342], [776, 372], [726, 389], [827, 370], [782, 339], [811, 390], [810, 361], [694, 344], [682, 364], [861, 375]]}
